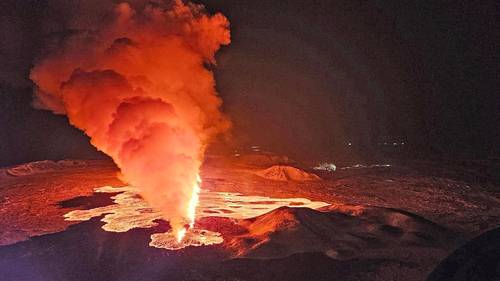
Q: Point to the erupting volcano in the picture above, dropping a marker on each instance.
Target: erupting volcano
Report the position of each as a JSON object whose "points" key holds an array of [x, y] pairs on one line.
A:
{"points": [[137, 85], [333, 140]]}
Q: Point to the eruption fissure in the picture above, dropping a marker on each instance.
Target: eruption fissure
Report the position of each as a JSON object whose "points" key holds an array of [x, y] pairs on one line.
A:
{"points": [[138, 87]]}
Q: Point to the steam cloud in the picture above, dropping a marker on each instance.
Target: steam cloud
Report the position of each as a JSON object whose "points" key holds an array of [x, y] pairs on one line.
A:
{"points": [[137, 84]]}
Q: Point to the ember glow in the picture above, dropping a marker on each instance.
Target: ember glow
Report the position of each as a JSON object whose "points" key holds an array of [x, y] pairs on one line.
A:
{"points": [[136, 84]]}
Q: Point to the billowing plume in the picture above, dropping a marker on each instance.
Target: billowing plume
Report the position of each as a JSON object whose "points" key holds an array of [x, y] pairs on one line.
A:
{"points": [[137, 85]]}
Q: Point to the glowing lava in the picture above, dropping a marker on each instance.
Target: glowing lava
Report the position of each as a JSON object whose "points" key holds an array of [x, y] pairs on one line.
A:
{"points": [[180, 235], [131, 211], [140, 85], [193, 202]]}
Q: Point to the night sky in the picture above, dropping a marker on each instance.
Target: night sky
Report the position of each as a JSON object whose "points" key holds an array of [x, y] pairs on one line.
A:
{"points": [[305, 78]]}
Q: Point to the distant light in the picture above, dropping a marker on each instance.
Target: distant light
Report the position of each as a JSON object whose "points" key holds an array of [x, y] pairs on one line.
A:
{"points": [[361, 166], [330, 167], [395, 143], [349, 144], [236, 154], [255, 148]]}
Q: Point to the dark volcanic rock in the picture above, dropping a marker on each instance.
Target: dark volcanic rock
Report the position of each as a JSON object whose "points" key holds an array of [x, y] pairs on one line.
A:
{"points": [[397, 241], [478, 259], [339, 231]]}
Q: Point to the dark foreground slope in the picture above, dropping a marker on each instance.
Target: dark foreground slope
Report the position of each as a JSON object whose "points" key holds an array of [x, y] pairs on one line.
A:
{"points": [[336, 243]]}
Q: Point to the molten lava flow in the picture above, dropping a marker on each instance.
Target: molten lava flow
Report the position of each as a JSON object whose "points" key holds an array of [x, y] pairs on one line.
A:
{"points": [[135, 82], [129, 211], [193, 202], [180, 235]]}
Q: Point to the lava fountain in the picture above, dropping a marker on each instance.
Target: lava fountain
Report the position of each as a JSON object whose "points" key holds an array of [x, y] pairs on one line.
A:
{"points": [[193, 202], [135, 81]]}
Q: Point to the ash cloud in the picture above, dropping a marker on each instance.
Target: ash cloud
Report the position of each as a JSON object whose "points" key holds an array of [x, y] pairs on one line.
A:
{"points": [[133, 78]]}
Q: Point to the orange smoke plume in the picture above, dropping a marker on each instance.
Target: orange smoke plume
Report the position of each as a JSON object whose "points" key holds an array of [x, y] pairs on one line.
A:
{"points": [[137, 86]]}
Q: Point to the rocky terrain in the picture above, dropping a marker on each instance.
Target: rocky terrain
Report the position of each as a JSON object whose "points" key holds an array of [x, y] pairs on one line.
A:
{"points": [[382, 222]]}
